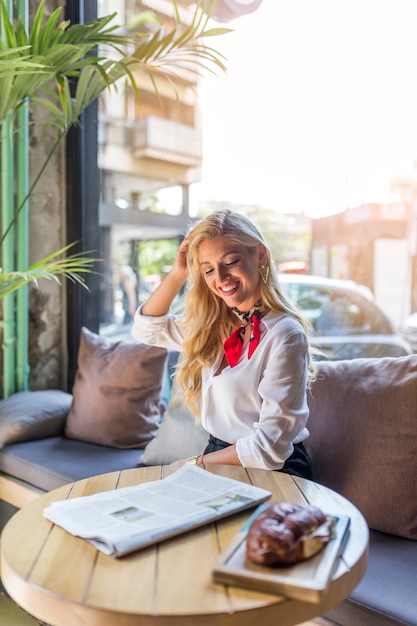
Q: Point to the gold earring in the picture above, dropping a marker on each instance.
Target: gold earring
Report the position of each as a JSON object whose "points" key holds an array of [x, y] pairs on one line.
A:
{"points": [[264, 272]]}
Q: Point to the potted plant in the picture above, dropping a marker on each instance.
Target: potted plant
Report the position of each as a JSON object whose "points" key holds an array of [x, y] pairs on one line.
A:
{"points": [[57, 66], [63, 68]]}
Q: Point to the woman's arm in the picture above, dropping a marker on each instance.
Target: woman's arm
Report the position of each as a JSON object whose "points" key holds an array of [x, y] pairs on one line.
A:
{"points": [[226, 456], [162, 297]]}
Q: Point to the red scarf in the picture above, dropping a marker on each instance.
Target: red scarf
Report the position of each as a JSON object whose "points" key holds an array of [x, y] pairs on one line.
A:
{"points": [[233, 345]]}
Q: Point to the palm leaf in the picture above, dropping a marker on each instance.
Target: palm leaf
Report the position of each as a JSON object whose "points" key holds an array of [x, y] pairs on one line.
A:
{"points": [[21, 34], [51, 33], [37, 27], [4, 51], [59, 49], [51, 268], [7, 28]]}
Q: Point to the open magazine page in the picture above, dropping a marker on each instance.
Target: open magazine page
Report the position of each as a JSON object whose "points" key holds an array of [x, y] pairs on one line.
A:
{"points": [[122, 520]]}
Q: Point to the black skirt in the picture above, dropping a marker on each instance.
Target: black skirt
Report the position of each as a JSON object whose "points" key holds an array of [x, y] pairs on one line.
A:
{"points": [[298, 464]]}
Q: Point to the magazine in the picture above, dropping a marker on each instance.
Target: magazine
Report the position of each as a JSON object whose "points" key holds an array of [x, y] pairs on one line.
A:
{"points": [[120, 521]]}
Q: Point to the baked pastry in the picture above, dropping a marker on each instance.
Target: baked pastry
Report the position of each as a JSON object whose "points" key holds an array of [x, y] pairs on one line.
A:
{"points": [[286, 533]]}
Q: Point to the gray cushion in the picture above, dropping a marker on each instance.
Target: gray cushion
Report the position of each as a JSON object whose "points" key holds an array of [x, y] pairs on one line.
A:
{"points": [[56, 461], [116, 393], [30, 415], [363, 438], [386, 594]]}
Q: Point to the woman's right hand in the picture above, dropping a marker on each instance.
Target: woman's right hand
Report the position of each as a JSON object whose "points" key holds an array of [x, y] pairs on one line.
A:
{"points": [[162, 297], [179, 267]]}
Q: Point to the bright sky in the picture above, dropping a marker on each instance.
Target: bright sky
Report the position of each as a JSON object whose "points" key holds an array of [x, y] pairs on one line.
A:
{"points": [[318, 109]]}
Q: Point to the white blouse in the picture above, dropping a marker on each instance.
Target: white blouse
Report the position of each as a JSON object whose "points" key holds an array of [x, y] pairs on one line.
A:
{"points": [[260, 404]]}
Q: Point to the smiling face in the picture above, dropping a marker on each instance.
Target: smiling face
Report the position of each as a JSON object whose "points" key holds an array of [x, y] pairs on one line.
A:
{"points": [[231, 271]]}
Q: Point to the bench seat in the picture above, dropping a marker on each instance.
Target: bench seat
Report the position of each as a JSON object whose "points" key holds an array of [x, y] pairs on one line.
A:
{"points": [[46, 464], [386, 595]]}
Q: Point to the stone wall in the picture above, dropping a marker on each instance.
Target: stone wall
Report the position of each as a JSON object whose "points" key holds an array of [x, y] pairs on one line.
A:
{"points": [[47, 307]]}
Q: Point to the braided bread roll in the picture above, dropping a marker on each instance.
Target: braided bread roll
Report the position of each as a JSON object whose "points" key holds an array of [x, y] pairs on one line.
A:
{"points": [[286, 533]]}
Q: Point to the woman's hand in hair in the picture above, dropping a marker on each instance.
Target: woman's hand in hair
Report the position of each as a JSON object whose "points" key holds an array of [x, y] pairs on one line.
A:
{"points": [[162, 297], [179, 267]]}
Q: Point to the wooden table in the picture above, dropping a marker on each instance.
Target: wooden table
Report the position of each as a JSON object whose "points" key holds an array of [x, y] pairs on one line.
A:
{"points": [[64, 581]]}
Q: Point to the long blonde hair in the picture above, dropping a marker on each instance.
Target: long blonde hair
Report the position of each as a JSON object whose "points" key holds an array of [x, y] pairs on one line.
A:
{"points": [[207, 320]]}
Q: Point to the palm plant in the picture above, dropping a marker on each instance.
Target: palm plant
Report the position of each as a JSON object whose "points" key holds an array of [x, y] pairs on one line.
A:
{"points": [[66, 67]]}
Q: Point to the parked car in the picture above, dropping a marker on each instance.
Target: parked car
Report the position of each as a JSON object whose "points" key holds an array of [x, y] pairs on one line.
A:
{"points": [[409, 330], [347, 323]]}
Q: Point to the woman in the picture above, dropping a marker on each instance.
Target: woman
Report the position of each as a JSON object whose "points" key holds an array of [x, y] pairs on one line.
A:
{"points": [[245, 362]]}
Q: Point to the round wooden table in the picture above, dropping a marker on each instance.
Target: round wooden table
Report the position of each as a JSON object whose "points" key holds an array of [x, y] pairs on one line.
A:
{"points": [[64, 581]]}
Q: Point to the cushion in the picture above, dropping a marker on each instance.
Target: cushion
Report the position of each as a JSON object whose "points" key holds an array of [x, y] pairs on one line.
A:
{"points": [[116, 392], [179, 437], [30, 415], [56, 461], [363, 437], [386, 595]]}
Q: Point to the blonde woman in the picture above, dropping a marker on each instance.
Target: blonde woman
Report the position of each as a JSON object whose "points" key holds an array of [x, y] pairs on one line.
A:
{"points": [[245, 359]]}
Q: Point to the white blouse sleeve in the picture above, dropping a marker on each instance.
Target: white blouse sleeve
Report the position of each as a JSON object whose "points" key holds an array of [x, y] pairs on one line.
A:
{"points": [[162, 331]]}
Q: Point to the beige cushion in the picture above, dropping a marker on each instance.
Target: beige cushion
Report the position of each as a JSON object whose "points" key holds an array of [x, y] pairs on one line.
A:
{"points": [[179, 437], [363, 438], [28, 415], [116, 392]]}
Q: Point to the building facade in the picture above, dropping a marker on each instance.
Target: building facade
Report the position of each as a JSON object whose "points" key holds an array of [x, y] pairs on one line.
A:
{"points": [[371, 244], [150, 152]]}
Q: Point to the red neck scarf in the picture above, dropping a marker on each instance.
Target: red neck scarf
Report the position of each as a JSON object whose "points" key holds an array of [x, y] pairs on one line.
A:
{"points": [[233, 345]]}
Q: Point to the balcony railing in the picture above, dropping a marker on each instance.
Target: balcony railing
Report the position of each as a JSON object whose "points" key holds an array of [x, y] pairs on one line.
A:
{"points": [[154, 138]]}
